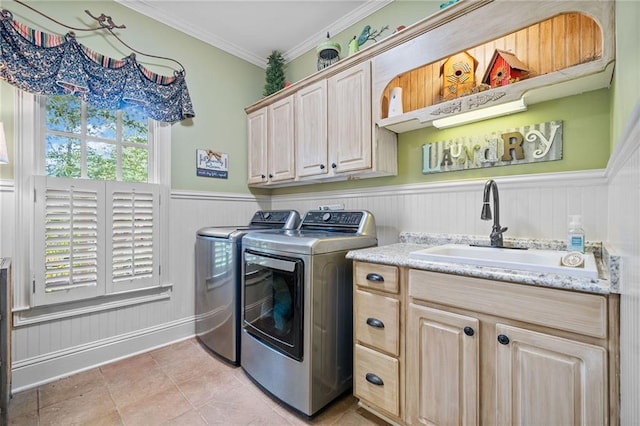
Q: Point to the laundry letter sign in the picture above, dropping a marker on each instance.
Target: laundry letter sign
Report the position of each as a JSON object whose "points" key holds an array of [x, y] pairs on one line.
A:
{"points": [[527, 144]]}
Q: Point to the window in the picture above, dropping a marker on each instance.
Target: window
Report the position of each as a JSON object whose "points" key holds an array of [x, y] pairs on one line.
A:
{"points": [[85, 142], [95, 215]]}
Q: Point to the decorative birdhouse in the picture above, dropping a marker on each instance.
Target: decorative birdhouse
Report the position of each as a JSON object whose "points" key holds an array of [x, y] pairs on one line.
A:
{"points": [[504, 68], [458, 74]]}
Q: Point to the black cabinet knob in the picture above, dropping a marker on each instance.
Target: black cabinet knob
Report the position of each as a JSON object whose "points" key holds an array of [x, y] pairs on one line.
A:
{"points": [[469, 331], [263, 176], [375, 277], [373, 379], [321, 166], [270, 175], [502, 339], [334, 165], [374, 322]]}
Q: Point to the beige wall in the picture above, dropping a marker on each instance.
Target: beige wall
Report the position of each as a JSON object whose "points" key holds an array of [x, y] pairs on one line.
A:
{"points": [[626, 81], [398, 12], [220, 84]]}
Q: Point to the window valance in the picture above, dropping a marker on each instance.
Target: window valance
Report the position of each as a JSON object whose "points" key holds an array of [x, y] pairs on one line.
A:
{"points": [[51, 64]]}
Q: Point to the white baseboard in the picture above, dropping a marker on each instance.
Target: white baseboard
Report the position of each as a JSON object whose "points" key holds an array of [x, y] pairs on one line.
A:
{"points": [[33, 372]]}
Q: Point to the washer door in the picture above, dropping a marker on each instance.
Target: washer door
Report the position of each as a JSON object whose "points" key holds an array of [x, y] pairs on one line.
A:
{"points": [[273, 295]]}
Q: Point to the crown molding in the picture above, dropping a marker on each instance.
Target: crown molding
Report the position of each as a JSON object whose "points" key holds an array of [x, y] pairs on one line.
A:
{"points": [[337, 27], [147, 8]]}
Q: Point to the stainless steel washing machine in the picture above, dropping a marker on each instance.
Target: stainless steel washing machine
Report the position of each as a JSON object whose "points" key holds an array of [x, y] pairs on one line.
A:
{"points": [[297, 338], [218, 280]]}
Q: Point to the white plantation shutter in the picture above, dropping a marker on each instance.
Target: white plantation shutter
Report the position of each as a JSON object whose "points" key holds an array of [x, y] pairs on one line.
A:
{"points": [[69, 250], [94, 238], [132, 233]]}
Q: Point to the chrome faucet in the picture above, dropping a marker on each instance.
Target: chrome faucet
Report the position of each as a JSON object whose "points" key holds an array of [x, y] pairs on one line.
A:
{"points": [[497, 230]]}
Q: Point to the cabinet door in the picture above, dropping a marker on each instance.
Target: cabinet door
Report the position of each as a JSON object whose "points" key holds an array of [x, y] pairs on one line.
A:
{"points": [[257, 146], [311, 130], [548, 380], [349, 109], [281, 140], [443, 365]]}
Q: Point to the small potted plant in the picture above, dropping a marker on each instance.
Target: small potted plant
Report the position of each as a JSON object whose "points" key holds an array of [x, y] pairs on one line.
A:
{"points": [[275, 79]]}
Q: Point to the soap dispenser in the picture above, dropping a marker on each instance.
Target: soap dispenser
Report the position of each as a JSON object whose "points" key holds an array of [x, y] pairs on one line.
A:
{"points": [[575, 235]]}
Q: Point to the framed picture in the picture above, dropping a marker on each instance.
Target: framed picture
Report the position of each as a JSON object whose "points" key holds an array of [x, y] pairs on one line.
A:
{"points": [[213, 164]]}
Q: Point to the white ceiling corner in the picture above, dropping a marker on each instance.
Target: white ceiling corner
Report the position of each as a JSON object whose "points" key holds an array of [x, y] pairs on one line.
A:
{"points": [[252, 29]]}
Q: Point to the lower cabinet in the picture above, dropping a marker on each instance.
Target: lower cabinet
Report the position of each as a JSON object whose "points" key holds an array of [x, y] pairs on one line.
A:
{"points": [[378, 369], [488, 352], [475, 351], [443, 367], [566, 377]]}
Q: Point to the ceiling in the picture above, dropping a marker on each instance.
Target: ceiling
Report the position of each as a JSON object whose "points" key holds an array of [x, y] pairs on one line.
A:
{"points": [[252, 29]]}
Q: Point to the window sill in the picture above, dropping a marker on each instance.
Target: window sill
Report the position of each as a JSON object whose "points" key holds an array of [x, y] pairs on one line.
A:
{"points": [[42, 314]]}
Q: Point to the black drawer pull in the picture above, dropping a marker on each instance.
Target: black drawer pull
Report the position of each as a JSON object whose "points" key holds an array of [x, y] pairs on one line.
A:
{"points": [[374, 322], [375, 277], [503, 340], [373, 379], [469, 331]]}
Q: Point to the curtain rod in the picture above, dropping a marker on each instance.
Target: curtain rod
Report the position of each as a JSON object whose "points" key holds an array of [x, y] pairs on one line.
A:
{"points": [[105, 23]]}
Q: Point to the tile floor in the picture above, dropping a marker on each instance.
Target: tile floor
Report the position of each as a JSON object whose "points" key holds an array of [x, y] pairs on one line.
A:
{"points": [[181, 384]]}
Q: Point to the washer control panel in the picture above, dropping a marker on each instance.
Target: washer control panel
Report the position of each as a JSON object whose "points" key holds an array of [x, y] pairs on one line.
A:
{"points": [[333, 218]]}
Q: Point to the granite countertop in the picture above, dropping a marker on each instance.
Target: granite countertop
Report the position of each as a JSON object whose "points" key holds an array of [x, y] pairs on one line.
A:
{"points": [[398, 254]]}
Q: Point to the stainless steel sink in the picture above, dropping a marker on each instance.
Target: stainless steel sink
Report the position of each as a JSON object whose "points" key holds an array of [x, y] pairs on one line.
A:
{"points": [[543, 261]]}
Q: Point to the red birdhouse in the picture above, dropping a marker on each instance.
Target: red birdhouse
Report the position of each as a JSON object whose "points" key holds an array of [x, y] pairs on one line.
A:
{"points": [[504, 68]]}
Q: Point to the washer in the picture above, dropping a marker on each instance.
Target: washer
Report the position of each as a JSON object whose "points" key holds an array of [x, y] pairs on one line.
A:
{"points": [[297, 334], [218, 280]]}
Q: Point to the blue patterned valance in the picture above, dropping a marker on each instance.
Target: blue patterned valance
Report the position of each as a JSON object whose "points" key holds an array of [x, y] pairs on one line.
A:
{"points": [[51, 64]]}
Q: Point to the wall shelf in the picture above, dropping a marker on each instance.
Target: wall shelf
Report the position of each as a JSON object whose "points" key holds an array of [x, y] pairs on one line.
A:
{"points": [[568, 46], [560, 84]]}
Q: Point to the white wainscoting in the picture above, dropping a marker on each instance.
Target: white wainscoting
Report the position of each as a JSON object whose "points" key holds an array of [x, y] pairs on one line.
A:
{"points": [[7, 223], [531, 206], [44, 352], [624, 237]]}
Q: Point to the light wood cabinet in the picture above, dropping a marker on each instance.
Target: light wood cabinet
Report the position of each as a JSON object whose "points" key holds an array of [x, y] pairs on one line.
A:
{"points": [[349, 102], [321, 132], [439, 349], [487, 352], [566, 377], [257, 146], [311, 131], [378, 370], [443, 367], [271, 143]]}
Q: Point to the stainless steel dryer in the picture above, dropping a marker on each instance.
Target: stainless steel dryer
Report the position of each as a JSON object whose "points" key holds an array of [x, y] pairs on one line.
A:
{"points": [[218, 280], [297, 338]]}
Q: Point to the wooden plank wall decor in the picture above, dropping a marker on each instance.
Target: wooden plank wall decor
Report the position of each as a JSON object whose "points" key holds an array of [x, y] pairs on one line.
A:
{"points": [[551, 45], [521, 145]]}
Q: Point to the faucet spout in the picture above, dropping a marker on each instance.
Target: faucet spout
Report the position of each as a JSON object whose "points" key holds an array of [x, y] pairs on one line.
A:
{"points": [[491, 187]]}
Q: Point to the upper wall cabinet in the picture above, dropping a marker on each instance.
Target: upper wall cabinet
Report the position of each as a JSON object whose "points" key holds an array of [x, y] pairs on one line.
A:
{"points": [[271, 143], [471, 56], [498, 53], [323, 132]]}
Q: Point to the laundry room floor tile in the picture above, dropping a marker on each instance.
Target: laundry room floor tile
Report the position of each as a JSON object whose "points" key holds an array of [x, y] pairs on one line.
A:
{"points": [[178, 385]]}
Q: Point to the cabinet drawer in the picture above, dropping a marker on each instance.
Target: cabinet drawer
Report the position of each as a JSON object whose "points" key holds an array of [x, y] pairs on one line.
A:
{"points": [[371, 364], [572, 311], [377, 321], [379, 277]]}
